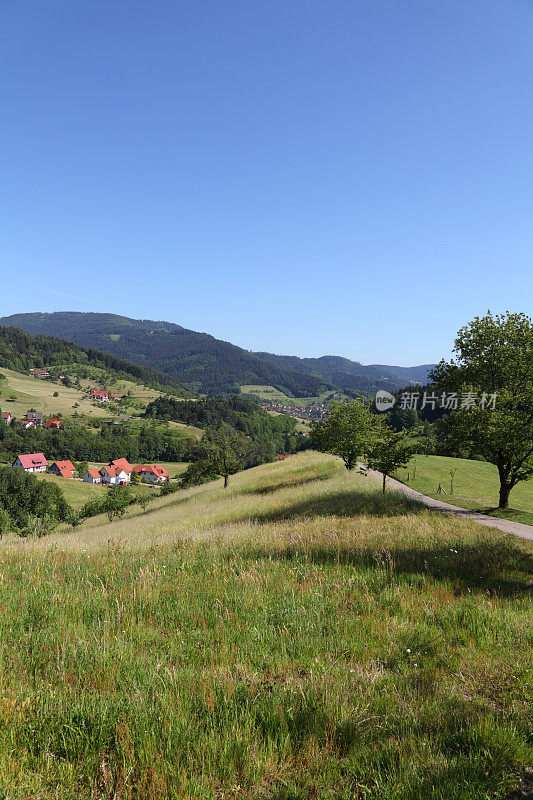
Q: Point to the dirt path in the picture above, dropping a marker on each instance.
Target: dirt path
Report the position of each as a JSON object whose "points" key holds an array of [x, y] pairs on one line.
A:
{"points": [[505, 525]]}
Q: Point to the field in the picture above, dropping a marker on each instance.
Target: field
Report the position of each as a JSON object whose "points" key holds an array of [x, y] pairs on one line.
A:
{"points": [[19, 393], [476, 485], [273, 395], [295, 636], [77, 493]]}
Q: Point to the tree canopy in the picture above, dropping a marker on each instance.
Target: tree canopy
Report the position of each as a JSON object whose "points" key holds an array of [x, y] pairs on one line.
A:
{"points": [[493, 365]]}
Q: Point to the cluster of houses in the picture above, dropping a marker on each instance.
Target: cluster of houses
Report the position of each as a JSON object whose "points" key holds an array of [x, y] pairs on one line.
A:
{"points": [[117, 472], [314, 413], [34, 419]]}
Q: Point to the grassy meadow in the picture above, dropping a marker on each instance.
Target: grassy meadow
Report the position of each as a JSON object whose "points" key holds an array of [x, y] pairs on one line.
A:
{"points": [[77, 493], [273, 395], [295, 636], [476, 485], [20, 392]]}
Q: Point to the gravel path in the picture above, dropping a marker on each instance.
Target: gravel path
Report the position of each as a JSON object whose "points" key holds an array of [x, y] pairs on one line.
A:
{"points": [[505, 525]]}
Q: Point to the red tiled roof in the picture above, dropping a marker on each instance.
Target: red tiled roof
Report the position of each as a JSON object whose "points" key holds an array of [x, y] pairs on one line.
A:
{"points": [[94, 473], [113, 471], [6, 415], [155, 468], [123, 463], [33, 460], [53, 422], [66, 468]]}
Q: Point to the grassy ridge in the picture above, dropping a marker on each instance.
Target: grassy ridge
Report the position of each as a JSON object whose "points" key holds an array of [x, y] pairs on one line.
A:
{"points": [[298, 636], [476, 485]]}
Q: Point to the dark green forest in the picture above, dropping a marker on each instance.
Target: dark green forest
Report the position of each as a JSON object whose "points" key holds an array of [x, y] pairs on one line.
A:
{"points": [[201, 362], [22, 351], [272, 434]]}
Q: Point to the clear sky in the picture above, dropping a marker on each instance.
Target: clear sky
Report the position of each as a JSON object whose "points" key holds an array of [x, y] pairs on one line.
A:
{"points": [[350, 177]]}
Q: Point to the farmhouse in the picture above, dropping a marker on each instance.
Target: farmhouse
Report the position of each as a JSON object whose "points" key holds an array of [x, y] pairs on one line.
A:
{"points": [[35, 416], [102, 395], [152, 473], [65, 469], [27, 423], [53, 422], [114, 476], [40, 373], [92, 476], [7, 418], [122, 463], [33, 462]]}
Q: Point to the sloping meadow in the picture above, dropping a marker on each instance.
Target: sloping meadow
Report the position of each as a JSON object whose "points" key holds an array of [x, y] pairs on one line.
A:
{"points": [[297, 636]]}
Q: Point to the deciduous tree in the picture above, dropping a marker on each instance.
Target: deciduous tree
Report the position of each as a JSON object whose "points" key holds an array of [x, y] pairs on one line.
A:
{"points": [[493, 361]]}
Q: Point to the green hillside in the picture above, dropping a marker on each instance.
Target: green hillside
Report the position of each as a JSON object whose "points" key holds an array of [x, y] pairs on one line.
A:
{"points": [[295, 636], [200, 361], [475, 485], [212, 366], [21, 351]]}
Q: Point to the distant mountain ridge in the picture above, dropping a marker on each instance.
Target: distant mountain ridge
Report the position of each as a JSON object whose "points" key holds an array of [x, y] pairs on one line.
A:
{"points": [[206, 364], [352, 375]]}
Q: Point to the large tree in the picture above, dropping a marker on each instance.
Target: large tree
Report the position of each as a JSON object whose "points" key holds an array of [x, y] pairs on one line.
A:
{"points": [[350, 431], [226, 451], [492, 374]]}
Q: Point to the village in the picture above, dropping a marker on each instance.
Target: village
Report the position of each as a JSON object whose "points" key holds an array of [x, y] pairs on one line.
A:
{"points": [[305, 413], [117, 472]]}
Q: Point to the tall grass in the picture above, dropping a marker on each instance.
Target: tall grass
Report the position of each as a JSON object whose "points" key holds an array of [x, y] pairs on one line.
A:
{"points": [[325, 653]]}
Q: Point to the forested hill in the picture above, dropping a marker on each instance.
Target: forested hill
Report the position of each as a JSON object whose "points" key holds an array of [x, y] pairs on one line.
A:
{"points": [[351, 375], [205, 364], [22, 351], [198, 360]]}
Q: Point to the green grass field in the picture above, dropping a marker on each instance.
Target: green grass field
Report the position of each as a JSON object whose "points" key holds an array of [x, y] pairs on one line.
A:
{"points": [[476, 485], [295, 636], [19, 393], [77, 493], [273, 395]]}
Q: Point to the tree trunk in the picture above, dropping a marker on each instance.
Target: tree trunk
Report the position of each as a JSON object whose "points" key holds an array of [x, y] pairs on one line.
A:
{"points": [[504, 494], [226, 480], [505, 486], [384, 482]]}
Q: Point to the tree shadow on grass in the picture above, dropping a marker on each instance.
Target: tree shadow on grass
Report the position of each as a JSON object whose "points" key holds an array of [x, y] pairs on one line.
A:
{"points": [[346, 503], [288, 484], [498, 566]]}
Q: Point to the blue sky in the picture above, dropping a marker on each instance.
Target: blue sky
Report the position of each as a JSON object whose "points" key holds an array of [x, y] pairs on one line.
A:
{"points": [[304, 177]]}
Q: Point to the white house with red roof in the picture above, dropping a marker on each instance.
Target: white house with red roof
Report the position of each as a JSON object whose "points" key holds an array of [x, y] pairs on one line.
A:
{"points": [[152, 473], [33, 462], [6, 417], [65, 469], [114, 476], [92, 476], [123, 464], [102, 395]]}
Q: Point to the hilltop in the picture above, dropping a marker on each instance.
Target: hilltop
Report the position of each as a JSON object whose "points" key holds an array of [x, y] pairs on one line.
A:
{"points": [[350, 375], [209, 365]]}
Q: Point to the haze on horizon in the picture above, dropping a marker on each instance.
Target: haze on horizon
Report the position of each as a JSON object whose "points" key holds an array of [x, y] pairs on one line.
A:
{"points": [[350, 179]]}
